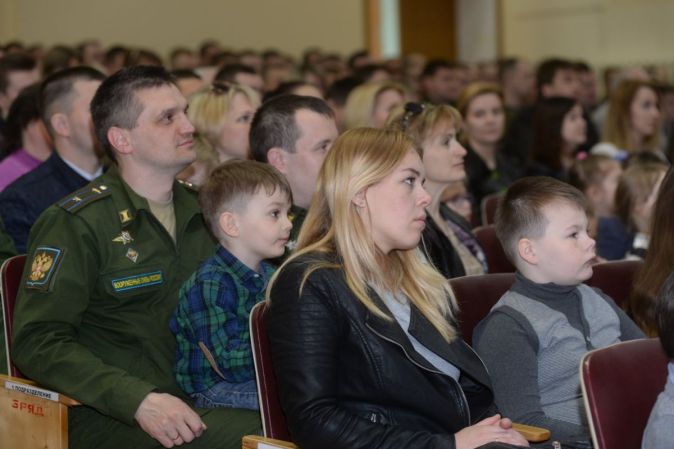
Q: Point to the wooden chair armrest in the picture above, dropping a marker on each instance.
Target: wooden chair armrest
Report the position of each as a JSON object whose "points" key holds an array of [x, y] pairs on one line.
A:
{"points": [[258, 442], [532, 434], [33, 389]]}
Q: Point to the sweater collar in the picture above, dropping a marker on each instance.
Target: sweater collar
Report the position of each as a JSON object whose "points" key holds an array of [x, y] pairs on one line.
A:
{"points": [[550, 290]]}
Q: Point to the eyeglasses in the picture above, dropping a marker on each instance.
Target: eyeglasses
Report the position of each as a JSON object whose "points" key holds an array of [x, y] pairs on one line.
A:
{"points": [[411, 109]]}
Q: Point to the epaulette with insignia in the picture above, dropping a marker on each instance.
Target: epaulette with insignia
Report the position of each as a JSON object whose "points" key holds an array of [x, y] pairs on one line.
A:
{"points": [[188, 185], [84, 196]]}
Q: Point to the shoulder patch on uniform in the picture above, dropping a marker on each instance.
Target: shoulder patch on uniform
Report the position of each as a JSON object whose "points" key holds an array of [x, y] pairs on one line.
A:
{"points": [[45, 263], [83, 197]]}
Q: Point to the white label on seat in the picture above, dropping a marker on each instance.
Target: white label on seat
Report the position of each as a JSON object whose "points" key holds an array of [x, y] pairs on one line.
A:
{"points": [[33, 391], [267, 446]]}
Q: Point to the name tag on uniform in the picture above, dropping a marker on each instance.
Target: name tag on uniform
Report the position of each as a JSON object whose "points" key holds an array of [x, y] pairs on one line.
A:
{"points": [[137, 281]]}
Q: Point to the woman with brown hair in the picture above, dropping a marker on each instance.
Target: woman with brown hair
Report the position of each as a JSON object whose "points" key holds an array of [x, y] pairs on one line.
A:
{"points": [[659, 261], [488, 169], [633, 121], [559, 129]]}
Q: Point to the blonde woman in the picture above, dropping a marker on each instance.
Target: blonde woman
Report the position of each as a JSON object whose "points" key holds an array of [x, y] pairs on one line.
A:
{"points": [[633, 121], [221, 115], [368, 105], [362, 330], [447, 240]]}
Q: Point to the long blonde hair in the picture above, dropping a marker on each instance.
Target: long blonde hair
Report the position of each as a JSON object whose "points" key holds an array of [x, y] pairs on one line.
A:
{"points": [[361, 158]]}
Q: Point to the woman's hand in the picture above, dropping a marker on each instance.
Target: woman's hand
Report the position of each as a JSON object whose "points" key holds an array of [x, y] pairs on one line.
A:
{"points": [[489, 430]]}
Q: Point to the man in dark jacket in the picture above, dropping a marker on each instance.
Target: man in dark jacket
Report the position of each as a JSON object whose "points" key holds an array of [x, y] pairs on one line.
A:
{"points": [[64, 98]]}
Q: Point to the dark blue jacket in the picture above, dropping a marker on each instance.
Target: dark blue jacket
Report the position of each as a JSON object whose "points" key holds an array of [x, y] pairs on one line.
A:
{"points": [[26, 198]]}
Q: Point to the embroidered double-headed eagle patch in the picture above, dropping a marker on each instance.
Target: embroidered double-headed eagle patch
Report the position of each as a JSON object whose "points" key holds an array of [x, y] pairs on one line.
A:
{"points": [[43, 266]]}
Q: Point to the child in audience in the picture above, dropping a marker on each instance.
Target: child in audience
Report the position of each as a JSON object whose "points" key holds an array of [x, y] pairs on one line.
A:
{"points": [[627, 233], [245, 204], [597, 177], [534, 337], [659, 433]]}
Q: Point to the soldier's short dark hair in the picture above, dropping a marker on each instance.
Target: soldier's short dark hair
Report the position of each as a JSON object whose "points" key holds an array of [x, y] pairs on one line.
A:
{"points": [[57, 89], [14, 62], [230, 186], [116, 104], [274, 124]]}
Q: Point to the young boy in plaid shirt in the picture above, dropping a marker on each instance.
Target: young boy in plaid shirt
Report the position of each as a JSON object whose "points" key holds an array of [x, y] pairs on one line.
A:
{"points": [[245, 204]]}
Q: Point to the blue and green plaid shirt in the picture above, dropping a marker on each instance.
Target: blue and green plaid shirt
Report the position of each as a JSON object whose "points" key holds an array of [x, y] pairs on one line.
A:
{"points": [[213, 308]]}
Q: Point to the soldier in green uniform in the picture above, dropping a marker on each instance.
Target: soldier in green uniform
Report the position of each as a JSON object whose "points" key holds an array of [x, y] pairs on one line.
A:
{"points": [[102, 277]]}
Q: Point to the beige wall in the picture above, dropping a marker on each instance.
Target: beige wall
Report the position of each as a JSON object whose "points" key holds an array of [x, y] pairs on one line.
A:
{"points": [[289, 25], [601, 31]]}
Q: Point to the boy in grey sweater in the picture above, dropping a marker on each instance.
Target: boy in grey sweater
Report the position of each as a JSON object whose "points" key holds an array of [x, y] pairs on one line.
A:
{"points": [[534, 337]]}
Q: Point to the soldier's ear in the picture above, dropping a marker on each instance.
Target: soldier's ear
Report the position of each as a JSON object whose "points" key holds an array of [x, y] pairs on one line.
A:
{"points": [[228, 224], [119, 139], [59, 122]]}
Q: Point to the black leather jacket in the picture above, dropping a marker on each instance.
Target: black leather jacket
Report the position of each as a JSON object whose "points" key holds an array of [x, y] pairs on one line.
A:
{"points": [[348, 379]]}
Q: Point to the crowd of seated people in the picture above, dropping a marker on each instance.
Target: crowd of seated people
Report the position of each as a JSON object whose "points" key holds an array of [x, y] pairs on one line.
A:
{"points": [[158, 201]]}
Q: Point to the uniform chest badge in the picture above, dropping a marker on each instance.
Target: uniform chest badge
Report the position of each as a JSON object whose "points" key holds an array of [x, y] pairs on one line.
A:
{"points": [[132, 255], [124, 237]]}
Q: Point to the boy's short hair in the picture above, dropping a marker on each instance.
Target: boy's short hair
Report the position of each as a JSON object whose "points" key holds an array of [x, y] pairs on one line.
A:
{"points": [[231, 185], [520, 212]]}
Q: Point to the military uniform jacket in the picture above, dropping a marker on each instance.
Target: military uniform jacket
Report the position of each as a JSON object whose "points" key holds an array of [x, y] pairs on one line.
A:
{"points": [[100, 284]]}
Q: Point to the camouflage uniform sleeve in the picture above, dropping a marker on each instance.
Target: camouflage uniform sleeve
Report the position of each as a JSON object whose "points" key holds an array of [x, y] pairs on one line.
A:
{"points": [[49, 335]]}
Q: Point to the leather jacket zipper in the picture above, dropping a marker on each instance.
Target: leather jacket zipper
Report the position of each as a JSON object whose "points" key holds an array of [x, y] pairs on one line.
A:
{"points": [[463, 395]]}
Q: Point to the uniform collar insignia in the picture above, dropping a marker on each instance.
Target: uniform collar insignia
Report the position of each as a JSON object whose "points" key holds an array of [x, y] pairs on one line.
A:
{"points": [[124, 216]]}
